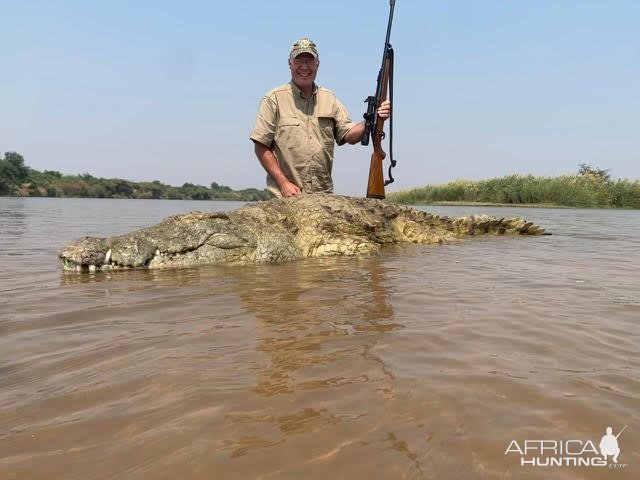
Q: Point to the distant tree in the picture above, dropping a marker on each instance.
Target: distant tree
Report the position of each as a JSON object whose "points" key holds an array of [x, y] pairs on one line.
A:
{"points": [[585, 170], [13, 168], [13, 172], [4, 181], [123, 188], [220, 188], [156, 191]]}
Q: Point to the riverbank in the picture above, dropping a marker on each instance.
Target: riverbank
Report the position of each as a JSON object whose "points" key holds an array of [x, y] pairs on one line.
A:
{"points": [[590, 188], [20, 180], [489, 204]]}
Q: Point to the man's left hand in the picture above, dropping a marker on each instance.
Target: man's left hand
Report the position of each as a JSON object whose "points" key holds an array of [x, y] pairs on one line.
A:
{"points": [[385, 109]]}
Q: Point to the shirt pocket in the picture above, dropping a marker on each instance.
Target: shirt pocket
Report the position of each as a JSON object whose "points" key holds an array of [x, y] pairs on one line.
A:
{"points": [[289, 132], [327, 130]]}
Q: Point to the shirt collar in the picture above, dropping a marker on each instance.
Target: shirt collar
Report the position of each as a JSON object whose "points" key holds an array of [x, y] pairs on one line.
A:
{"points": [[298, 92]]}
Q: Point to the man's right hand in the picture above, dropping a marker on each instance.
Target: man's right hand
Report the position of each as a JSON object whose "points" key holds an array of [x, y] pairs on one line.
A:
{"points": [[288, 189], [270, 163]]}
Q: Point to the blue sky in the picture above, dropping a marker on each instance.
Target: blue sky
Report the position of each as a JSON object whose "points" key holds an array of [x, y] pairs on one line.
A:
{"points": [[169, 90]]}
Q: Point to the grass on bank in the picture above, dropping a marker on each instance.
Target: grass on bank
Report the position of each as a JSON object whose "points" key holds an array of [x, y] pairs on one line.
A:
{"points": [[589, 188]]}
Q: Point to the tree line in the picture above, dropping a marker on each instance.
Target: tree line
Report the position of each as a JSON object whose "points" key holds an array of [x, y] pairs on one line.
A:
{"points": [[18, 179], [589, 187]]}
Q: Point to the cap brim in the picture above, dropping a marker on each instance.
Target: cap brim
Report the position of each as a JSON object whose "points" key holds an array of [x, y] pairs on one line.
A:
{"points": [[310, 51]]}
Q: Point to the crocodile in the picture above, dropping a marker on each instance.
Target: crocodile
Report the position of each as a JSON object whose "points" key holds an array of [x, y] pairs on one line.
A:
{"points": [[280, 230]]}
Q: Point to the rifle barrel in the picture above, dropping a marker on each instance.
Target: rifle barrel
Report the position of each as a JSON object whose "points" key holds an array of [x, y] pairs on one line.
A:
{"points": [[385, 53], [392, 4]]}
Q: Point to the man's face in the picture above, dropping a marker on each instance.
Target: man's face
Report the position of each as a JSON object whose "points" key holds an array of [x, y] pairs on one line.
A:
{"points": [[303, 70]]}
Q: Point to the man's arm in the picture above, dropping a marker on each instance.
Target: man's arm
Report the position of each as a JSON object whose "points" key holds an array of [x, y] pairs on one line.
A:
{"points": [[270, 163], [354, 135], [262, 135]]}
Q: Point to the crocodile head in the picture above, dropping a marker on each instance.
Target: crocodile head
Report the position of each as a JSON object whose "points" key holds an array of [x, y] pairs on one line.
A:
{"points": [[180, 240]]}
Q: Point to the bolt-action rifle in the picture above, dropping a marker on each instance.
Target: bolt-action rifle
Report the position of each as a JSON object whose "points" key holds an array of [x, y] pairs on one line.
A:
{"points": [[374, 124]]}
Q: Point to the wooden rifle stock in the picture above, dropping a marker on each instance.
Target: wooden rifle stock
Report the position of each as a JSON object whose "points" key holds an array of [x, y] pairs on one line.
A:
{"points": [[375, 187], [374, 129]]}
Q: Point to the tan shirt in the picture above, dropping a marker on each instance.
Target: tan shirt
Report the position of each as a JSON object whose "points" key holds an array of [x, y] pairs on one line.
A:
{"points": [[302, 133]]}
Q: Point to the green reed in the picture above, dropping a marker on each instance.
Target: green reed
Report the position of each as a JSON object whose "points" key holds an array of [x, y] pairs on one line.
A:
{"points": [[581, 190]]}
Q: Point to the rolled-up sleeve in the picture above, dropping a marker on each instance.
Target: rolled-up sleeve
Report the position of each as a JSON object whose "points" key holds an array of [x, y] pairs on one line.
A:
{"points": [[343, 122], [264, 130]]}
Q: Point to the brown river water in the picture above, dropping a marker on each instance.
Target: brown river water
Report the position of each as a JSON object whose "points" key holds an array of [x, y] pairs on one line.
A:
{"points": [[419, 362]]}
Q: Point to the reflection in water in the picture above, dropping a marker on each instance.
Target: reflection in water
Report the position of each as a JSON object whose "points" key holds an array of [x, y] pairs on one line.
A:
{"points": [[315, 318], [297, 317], [178, 276], [317, 325]]}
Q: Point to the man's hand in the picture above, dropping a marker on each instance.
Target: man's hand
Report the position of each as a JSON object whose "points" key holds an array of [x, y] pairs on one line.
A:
{"points": [[288, 189], [270, 163], [384, 110], [354, 135]]}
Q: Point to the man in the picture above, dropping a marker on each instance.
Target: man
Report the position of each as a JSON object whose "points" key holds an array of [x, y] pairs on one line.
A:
{"points": [[297, 126], [609, 445]]}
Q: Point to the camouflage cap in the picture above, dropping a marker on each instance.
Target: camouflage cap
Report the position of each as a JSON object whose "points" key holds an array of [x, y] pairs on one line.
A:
{"points": [[304, 45]]}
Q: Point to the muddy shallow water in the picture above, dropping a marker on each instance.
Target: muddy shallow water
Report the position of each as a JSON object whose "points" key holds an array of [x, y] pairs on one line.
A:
{"points": [[420, 362]]}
